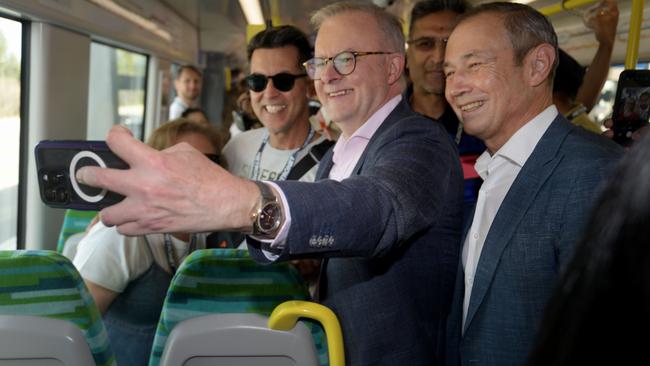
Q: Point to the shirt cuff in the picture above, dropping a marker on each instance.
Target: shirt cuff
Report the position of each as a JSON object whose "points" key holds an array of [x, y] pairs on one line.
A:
{"points": [[280, 240]]}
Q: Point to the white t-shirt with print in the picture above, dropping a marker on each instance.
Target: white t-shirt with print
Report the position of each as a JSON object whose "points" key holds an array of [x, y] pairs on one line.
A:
{"points": [[240, 153], [111, 260]]}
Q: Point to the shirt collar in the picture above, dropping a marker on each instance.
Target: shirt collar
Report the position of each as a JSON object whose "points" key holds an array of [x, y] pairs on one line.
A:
{"points": [[521, 145], [368, 129]]}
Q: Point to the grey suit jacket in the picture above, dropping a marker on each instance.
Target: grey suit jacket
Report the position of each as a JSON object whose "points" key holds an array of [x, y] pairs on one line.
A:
{"points": [[392, 233], [531, 238]]}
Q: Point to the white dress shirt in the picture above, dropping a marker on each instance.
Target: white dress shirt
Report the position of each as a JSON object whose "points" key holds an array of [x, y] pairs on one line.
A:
{"points": [[498, 171]]}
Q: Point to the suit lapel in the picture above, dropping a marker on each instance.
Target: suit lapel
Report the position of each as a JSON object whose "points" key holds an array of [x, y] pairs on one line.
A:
{"points": [[401, 111], [539, 166]]}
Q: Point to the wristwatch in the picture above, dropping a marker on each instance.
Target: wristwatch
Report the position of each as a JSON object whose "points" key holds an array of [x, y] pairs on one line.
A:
{"points": [[268, 215]]}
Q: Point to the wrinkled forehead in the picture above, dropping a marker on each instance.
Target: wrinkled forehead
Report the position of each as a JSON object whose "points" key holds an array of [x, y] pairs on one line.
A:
{"points": [[483, 31], [349, 31]]}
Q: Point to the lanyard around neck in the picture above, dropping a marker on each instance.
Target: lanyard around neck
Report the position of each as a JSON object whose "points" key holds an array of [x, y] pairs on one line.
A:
{"points": [[172, 259], [255, 173]]}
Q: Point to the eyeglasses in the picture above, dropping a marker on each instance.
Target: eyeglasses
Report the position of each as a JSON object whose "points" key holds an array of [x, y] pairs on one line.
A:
{"points": [[213, 157], [428, 43], [344, 63], [282, 81]]}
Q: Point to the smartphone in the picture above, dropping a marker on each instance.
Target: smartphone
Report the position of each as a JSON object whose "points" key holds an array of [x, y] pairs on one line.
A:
{"points": [[632, 104], [57, 162]]}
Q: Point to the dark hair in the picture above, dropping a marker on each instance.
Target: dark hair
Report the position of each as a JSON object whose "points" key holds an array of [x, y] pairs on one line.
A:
{"points": [[193, 68], [526, 27], [568, 75], [282, 36], [604, 295], [426, 7]]}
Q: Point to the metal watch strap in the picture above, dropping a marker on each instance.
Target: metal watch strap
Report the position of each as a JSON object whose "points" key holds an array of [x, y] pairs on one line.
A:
{"points": [[266, 197], [267, 193]]}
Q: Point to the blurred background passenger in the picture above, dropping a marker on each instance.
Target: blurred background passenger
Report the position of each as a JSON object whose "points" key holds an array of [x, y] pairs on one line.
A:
{"points": [[128, 276], [430, 26], [244, 118], [603, 298], [188, 90], [195, 115], [576, 89]]}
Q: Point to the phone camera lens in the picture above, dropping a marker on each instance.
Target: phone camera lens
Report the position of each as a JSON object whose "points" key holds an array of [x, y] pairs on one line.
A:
{"points": [[61, 195], [50, 195], [58, 178]]}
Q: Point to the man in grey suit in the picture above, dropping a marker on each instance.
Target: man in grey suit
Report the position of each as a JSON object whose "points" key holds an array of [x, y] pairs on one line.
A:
{"points": [[387, 219], [540, 177]]}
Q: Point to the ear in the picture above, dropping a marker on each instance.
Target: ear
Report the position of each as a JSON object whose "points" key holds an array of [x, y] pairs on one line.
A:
{"points": [[539, 64], [395, 67]]}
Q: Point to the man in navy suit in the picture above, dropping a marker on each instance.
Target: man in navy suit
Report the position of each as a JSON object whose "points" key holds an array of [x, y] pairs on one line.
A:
{"points": [[540, 177], [386, 215]]}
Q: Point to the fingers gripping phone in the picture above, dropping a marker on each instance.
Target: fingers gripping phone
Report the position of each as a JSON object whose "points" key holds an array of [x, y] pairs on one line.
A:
{"points": [[632, 104], [57, 163]]}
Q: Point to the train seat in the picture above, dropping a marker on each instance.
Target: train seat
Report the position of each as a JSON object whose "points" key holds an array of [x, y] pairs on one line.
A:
{"points": [[41, 283], [74, 221], [254, 339], [228, 281], [37, 341]]}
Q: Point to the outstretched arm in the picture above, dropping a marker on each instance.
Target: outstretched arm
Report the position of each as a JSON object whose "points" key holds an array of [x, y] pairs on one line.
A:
{"points": [[174, 190], [604, 24]]}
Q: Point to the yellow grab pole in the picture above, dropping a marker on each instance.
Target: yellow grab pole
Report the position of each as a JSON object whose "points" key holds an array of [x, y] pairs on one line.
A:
{"points": [[634, 34]]}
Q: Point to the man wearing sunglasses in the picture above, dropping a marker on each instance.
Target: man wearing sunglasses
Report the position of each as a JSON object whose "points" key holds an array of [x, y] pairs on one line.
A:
{"points": [[385, 214], [279, 90], [431, 24]]}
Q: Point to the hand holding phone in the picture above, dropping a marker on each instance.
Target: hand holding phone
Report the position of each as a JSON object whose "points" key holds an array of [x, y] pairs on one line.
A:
{"points": [[57, 163], [632, 105]]}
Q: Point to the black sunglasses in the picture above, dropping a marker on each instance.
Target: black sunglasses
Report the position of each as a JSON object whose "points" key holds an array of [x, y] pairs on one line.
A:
{"points": [[282, 81]]}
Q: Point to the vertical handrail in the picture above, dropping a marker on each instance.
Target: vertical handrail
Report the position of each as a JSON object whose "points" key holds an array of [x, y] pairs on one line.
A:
{"points": [[634, 35]]}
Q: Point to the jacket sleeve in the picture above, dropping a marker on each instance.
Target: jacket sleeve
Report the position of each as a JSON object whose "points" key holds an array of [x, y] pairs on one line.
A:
{"points": [[402, 185]]}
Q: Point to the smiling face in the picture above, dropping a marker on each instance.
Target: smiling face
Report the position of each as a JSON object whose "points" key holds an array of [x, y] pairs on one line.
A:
{"points": [[484, 85], [426, 51], [280, 111], [350, 100]]}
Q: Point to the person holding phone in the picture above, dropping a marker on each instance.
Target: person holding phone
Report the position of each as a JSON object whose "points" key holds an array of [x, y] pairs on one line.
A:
{"points": [[385, 213], [128, 276]]}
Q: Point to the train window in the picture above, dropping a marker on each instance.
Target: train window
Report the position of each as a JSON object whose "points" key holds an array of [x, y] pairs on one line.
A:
{"points": [[117, 90], [10, 58]]}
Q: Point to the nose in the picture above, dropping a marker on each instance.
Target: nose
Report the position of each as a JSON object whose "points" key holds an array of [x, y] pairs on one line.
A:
{"points": [[328, 74], [456, 85], [438, 53]]}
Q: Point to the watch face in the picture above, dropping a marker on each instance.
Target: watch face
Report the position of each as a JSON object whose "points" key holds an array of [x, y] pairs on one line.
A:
{"points": [[270, 217]]}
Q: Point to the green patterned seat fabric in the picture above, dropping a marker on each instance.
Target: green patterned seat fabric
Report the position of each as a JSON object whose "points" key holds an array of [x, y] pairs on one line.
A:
{"points": [[74, 221], [45, 283], [229, 281]]}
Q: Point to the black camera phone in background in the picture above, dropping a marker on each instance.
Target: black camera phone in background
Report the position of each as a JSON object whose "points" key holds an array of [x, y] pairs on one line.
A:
{"points": [[632, 104], [57, 162]]}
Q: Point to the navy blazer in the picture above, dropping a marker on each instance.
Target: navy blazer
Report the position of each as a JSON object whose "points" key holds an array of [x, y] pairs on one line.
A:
{"points": [[392, 233], [531, 238]]}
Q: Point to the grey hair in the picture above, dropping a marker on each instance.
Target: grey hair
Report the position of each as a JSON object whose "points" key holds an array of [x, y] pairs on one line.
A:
{"points": [[526, 28], [389, 24]]}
